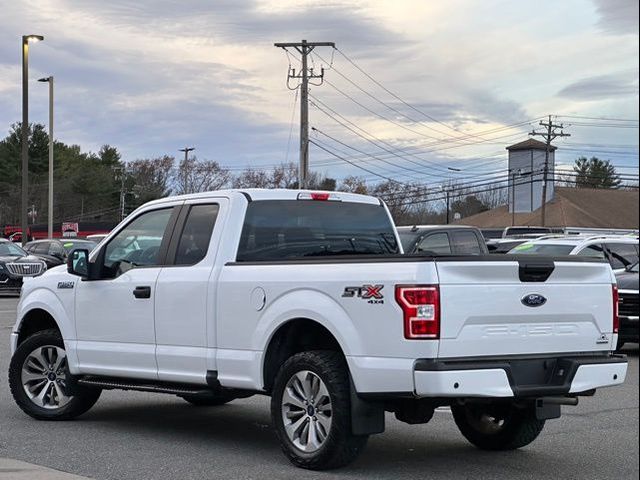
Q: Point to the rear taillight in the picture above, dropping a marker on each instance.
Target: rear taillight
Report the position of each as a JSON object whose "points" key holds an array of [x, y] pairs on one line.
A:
{"points": [[420, 306], [616, 305]]}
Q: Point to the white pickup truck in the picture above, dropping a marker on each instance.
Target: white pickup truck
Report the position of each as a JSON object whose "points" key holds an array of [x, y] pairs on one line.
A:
{"points": [[306, 297]]}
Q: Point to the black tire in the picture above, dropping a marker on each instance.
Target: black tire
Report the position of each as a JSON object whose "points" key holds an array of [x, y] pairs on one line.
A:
{"points": [[81, 400], [209, 400], [620, 344], [339, 446], [518, 427]]}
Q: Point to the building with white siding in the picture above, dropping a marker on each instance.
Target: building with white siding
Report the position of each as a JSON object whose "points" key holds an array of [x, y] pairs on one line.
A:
{"points": [[526, 172]]}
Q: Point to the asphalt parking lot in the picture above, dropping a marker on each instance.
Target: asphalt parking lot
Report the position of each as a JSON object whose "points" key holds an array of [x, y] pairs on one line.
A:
{"points": [[130, 435]]}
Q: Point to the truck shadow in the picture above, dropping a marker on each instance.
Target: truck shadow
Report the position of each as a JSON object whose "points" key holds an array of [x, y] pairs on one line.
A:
{"points": [[246, 427]]}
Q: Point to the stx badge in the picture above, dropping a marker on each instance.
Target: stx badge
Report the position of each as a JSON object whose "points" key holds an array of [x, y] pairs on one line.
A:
{"points": [[65, 284], [371, 293]]}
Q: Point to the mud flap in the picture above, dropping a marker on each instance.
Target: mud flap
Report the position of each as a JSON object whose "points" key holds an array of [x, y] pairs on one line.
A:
{"points": [[367, 418]]}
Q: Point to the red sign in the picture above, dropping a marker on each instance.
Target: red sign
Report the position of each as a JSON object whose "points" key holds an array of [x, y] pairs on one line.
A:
{"points": [[69, 229]]}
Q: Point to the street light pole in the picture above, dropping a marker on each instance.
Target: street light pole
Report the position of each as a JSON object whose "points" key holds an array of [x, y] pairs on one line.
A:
{"points": [[49, 80], [24, 221]]}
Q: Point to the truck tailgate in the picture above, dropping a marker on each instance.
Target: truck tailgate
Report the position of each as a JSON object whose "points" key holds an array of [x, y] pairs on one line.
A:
{"points": [[485, 311]]}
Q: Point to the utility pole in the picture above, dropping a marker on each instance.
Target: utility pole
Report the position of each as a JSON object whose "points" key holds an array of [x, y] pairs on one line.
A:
{"points": [[304, 48], [447, 192], [186, 151], [549, 135], [122, 194]]}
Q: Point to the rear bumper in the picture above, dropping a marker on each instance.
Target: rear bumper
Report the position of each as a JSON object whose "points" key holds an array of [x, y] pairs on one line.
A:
{"points": [[521, 377]]}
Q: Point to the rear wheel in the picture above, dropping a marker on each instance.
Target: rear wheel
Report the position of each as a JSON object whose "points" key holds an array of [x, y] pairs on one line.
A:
{"points": [[497, 427], [40, 381], [311, 411]]}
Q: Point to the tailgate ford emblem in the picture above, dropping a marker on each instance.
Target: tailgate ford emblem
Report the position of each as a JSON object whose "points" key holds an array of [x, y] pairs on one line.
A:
{"points": [[533, 300]]}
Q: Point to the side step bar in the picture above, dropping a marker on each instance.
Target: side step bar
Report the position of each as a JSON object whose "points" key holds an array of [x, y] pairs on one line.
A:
{"points": [[109, 383]]}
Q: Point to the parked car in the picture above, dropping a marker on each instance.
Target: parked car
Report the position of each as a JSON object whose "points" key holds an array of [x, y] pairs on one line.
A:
{"points": [[517, 231], [15, 264], [629, 306], [492, 233], [504, 245], [304, 296], [55, 251], [620, 251], [97, 237], [442, 240]]}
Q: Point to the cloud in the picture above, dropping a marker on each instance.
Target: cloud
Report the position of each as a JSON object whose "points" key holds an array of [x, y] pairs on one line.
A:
{"points": [[602, 87], [152, 76], [618, 16]]}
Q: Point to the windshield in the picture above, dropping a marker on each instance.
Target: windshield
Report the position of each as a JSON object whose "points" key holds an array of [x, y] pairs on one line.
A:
{"points": [[10, 249], [550, 249], [285, 229], [633, 268]]}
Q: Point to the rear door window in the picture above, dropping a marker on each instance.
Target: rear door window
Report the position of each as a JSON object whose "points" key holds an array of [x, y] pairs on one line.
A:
{"points": [[593, 251], [465, 242], [294, 229], [41, 248], [435, 243], [622, 254], [196, 234]]}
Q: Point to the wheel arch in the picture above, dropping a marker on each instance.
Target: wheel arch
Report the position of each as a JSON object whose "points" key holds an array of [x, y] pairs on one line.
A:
{"points": [[294, 336], [36, 320]]}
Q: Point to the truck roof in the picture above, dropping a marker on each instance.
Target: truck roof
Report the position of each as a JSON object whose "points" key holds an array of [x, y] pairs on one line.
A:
{"points": [[270, 194]]}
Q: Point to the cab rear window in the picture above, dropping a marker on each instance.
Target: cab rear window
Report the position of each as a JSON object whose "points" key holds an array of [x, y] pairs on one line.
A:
{"points": [[295, 229]]}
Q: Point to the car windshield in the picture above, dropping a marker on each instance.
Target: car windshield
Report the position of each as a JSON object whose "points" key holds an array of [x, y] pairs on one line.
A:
{"points": [[10, 249], [542, 249], [633, 268], [70, 245]]}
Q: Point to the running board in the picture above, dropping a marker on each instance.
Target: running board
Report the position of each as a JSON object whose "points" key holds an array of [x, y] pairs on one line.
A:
{"points": [[109, 383]]}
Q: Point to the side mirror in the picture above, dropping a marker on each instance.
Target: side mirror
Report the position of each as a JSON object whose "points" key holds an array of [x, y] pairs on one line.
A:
{"points": [[78, 263]]}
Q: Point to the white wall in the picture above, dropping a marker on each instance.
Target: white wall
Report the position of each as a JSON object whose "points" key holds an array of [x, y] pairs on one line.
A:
{"points": [[528, 193]]}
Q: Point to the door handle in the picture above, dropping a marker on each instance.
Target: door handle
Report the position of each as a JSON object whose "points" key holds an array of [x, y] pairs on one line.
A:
{"points": [[142, 292]]}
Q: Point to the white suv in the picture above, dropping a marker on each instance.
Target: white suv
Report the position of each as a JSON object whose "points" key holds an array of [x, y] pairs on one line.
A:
{"points": [[620, 251]]}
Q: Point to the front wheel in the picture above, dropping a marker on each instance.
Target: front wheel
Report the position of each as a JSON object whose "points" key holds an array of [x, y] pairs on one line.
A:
{"points": [[497, 427], [39, 379], [311, 411]]}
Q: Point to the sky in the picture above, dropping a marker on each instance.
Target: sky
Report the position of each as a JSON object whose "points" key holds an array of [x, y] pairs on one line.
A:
{"points": [[418, 86]]}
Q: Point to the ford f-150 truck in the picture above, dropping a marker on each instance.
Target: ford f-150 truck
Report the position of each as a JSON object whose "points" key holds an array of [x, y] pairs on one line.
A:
{"points": [[306, 297]]}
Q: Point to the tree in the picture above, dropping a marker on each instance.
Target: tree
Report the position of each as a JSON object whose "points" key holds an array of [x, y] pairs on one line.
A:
{"points": [[354, 184], [595, 173], [467, 206], [195, 175], [150, 178]]}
